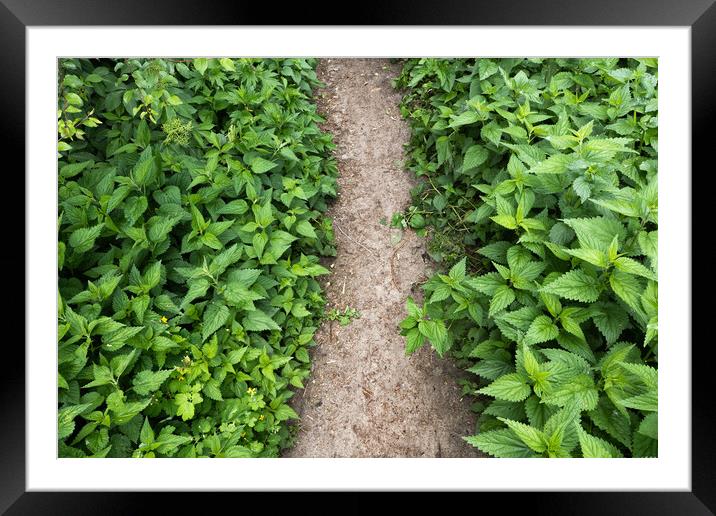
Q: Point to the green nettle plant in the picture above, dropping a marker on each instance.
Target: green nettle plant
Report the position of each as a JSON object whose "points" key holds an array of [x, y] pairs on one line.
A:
{"points": [[191, 220], [540, 184]]}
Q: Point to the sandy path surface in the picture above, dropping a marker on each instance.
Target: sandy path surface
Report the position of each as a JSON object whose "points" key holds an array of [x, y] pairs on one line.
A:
{"points": [[365, 398]]}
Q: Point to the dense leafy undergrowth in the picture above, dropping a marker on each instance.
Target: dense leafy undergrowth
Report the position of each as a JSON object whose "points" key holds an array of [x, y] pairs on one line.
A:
{"points": [[191, 201], [539, 193]]}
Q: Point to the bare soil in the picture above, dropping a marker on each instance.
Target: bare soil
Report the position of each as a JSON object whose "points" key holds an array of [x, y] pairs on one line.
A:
{"points": [[365, 398]]}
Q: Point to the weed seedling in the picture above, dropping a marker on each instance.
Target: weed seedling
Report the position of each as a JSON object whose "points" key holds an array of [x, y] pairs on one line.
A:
{"points": [[344, 318]]}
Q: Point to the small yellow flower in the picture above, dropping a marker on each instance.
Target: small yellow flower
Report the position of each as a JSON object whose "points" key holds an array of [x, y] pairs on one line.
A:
{"points": [[261, 417], [164, 319], [251, 391]]}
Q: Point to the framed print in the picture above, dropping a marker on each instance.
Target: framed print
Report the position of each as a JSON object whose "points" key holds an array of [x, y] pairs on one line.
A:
{"points": [[378, 256]]}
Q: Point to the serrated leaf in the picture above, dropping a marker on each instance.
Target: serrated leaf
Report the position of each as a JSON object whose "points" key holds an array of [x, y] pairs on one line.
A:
{"points": [[146, 382], [580, 390], [631, 266], [465, 118], [542, 329], [648, 402], [501, 443], [261, 166], [648, 243], [487, 284], [414, 340], [502, 298], [507, 221], [649, 426], [596, 232], [510, 387], [555, 164], [442, 291], [212, 390], [593, 256], [475, 156], [611, 321], [537, 412], [628, 288], [575, 285], [66, 417], [436, 333], [457, 272], [304, 227], [491, 369], [285, 412], [594, 447], [532, 437], [215, 316], [83, 239], [259, 321]]}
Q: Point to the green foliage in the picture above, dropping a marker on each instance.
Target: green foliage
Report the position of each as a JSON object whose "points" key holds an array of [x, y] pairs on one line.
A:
{"points": [[190, 228], [539, 186], [345, 317]]}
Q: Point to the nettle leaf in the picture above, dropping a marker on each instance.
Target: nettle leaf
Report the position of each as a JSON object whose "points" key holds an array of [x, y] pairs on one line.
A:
{"points": [[649, 426], [555, 164], [611, 321], [457, 272], [579, 390], [501, 443], [260, 165], [224, 259], [285, 412], [146, 382], [510, 387], [576, 285], [159, 255], [436, 333], [646, 402], [542, 329], [465, 118], [83, 239], [259, 321], [596, 232], [66, 417], [216, 316], [537, 412], [628, 287], [593, 256], [441, 292], [71, 170], [534, 196], [630, 266], [143, 170], [201, 64], [197, 288], [487, 284], [475, 156], [648, 243], [532, 437], [594, 447], [502, 298], [304, 228], [414, 340], [491, 369]]}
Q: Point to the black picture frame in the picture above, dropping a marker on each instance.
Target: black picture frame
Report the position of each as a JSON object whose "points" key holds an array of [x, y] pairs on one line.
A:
{"points": [[16, 15]]}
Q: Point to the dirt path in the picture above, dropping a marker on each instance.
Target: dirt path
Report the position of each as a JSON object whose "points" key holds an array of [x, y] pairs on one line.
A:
{"points": [[365, 398]]}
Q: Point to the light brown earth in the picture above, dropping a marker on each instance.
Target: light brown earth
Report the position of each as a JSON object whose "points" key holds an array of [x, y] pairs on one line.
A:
{"points": [[365, 398]]}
